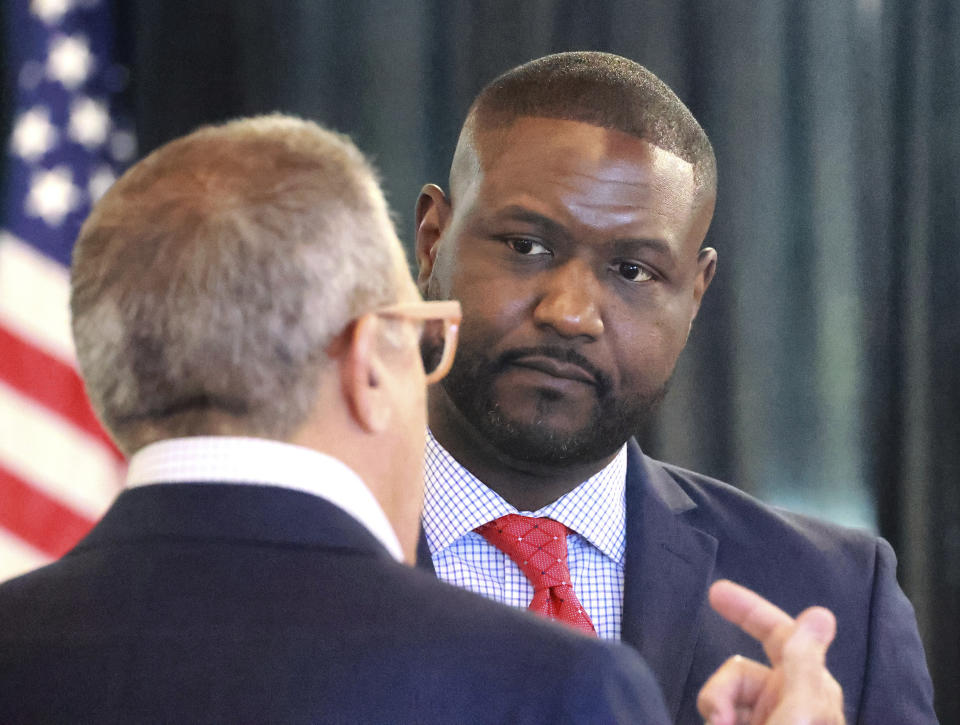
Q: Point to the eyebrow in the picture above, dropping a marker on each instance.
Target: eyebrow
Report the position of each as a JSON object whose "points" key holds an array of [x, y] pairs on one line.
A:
{"points": [[630, 244], [553, 228], [518, 213]]}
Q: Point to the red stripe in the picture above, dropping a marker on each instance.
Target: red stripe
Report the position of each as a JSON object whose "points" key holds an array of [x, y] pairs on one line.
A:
{"points": [[38, 519], [50, 382]]}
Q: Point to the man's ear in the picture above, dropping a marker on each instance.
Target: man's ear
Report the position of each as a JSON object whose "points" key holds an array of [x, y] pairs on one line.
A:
{"points": [[432, 215], [363, 376], [706, 269]]}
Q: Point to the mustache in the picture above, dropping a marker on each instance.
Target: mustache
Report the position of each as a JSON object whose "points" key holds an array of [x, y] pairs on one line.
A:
{"points": [[561, 354]]}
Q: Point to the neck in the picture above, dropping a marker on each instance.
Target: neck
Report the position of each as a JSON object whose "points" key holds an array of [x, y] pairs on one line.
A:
{"points": [[526, 485], [394, 476]]}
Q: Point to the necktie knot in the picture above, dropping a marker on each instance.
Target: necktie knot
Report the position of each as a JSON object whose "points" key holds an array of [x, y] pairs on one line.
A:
{"points": [[538, 546]]}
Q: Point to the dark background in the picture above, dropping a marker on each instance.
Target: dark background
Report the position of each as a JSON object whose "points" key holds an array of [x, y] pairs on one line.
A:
{"points": [[822, 373]]}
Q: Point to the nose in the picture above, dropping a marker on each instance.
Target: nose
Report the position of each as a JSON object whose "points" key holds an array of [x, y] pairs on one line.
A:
{"points": [[570, 301]]}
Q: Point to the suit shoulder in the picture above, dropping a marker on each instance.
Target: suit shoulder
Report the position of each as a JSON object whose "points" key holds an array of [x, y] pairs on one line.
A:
{"points": [[463, 615], [433, 624], [21, 591], [758, 543], [732, 511], [445, 606]]}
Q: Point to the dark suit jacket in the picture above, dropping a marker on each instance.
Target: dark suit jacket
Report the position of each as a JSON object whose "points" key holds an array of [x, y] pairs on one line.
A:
{"points": [[684, 531], [223, 603]]}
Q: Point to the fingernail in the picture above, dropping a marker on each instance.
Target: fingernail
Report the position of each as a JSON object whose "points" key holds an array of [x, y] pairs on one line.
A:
{"points": [[817, 624]]}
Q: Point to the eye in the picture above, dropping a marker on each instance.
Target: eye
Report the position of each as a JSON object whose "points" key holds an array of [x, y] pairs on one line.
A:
{"points": [[526, 247], [634, 272]]}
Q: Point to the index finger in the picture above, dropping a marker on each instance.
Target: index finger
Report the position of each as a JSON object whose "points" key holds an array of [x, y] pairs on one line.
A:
{"points": [[762, 620]]}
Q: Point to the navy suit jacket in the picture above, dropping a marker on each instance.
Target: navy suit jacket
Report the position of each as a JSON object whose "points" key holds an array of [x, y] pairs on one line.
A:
{"points": [[226, 603], [684, 531]]}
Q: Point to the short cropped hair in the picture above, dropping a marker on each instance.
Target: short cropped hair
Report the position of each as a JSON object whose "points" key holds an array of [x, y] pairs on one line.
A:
{"points": [[604, 90], [210, 279]]}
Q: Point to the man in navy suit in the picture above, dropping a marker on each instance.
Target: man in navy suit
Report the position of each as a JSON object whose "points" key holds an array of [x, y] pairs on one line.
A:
{"points": [[249, 333], [581, 191]]}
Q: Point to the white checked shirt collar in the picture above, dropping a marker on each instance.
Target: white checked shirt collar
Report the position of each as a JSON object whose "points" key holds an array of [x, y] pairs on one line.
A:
{"points": [[457, 502], [257, 461]]}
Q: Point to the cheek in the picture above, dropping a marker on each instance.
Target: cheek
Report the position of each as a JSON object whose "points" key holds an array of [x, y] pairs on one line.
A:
{"points": [[492, 306], [648, 352], [490, 320]]}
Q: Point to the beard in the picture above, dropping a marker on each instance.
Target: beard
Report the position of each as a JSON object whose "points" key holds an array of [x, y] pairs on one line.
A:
{"points": [[612, 420]]}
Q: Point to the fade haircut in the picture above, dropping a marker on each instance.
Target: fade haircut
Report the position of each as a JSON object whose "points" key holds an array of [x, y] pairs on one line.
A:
{"points": [[210, 279], [604, 90]]}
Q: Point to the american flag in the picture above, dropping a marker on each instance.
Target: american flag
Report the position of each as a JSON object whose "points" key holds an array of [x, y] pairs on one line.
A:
{"points": [[58, 469]]}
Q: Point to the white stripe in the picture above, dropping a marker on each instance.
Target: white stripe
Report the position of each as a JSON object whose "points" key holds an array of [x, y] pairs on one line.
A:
{"points": [[55, 456], [17, 556], [35, 297]]}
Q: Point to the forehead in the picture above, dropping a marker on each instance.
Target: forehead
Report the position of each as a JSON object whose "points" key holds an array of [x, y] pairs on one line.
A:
{"points": [[597, 176]]}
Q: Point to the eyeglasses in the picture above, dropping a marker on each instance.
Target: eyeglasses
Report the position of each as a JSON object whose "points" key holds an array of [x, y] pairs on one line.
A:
{"points": [[440, 321]]}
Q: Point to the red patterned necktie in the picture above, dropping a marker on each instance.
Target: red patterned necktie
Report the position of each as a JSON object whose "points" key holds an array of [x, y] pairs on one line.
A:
{"points": [[539, 548]]}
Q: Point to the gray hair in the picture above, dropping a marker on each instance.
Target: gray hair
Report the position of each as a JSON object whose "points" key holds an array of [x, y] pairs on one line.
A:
{"points": [[210, 279]]}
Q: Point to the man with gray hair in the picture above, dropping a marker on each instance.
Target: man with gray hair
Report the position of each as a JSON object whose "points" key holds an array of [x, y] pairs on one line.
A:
{"points": [[250, 335]]}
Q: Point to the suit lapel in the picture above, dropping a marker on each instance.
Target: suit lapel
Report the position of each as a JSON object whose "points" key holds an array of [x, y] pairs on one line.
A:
{"points": [[669, 567]]}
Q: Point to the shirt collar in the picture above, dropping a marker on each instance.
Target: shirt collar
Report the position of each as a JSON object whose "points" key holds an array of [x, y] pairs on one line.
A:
{"points": [[456, 502], [258, 461]]}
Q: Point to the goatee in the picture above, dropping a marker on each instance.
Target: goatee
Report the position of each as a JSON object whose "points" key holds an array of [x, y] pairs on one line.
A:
{"points": [[471, 383]]}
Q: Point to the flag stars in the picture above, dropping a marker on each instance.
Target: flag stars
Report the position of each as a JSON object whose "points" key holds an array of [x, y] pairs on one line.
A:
{"points": [[89, 122], [70, 60], [123, 146], [52, 195], [33, 134], [100, 180], [50, 11]]}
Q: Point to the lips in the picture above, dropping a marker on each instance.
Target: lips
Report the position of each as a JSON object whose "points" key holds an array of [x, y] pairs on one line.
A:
{"points": [[555, 368]]}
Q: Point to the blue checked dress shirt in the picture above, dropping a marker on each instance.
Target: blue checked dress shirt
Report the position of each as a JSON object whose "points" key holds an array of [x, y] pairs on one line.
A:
{"points": [[595, 512]]}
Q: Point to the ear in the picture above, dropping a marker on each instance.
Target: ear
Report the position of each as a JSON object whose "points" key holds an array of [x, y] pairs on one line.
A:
{"points": [[706, 268], [432, 215], [362, 377]]}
